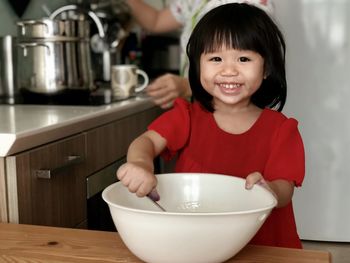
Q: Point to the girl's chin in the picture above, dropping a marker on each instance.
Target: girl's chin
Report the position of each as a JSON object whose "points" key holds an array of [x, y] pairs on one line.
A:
{"points": [[231, 94], [228, 99]]}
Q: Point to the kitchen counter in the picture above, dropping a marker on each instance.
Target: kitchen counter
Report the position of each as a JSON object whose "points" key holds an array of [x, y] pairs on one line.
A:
{"points": [[27, 126], [28, 243]]}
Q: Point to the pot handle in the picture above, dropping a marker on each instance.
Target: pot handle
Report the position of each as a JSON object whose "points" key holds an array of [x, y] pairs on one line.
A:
{"points": [[22, 24], [25, 46]]}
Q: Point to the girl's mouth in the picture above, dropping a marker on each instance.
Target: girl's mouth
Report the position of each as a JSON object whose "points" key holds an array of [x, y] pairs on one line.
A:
{"points": [[229, 87]]}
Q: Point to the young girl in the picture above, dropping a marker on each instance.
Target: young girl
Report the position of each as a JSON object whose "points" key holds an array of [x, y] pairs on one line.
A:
{"points": [[234, 126]]}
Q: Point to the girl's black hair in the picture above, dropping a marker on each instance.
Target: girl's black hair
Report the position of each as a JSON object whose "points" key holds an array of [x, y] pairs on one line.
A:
{"points": [[243, 27]]}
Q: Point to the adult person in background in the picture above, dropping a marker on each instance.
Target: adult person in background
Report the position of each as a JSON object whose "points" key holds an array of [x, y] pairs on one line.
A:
{"points": [[179, 14]]}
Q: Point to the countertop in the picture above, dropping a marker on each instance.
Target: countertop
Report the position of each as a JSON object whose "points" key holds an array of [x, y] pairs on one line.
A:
{"points": [[25, 126], [28, 243]]}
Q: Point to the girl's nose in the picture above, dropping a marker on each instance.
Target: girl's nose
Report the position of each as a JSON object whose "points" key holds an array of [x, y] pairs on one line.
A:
{"points": [[229, 69]]}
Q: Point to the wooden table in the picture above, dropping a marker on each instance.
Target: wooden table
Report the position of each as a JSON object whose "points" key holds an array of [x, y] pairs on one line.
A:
{"points": [[28, 243]]}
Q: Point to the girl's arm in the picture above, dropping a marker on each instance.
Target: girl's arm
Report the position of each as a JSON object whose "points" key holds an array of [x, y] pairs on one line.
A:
{"points": [[282, 189], [145, 148], [152, 19], [138, 172]]}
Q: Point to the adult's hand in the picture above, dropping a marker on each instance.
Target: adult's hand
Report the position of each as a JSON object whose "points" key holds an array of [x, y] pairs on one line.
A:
{"points": [[166, 88]]}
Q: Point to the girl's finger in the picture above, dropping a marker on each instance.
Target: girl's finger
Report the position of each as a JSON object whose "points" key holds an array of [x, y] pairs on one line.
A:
{"points": [[252, 179]]}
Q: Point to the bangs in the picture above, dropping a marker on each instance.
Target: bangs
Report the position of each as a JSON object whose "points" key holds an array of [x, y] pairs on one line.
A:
{"points": [[232, 29], [228, 39]]}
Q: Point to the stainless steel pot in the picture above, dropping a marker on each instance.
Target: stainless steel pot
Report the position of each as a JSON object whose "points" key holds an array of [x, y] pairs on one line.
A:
{"points": [[56, 62], [52, 66], [8, 88]]}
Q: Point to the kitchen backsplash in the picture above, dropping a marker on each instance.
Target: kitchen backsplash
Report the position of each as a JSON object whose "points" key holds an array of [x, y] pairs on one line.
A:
{"points": [[34, 10]]}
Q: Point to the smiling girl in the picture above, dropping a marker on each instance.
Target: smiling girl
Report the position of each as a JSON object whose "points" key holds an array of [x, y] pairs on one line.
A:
{"points": [[180, 15], [235, 125]]}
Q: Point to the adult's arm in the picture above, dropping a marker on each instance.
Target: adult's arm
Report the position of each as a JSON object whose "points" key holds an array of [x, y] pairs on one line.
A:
{"points": [[152, 19]]}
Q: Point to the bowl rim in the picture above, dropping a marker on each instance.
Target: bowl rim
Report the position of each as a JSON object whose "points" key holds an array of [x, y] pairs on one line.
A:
{"points": [[144, 211]]}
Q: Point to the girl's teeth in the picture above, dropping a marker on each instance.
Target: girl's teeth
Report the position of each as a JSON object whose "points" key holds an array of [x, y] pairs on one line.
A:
{"points": [[230, 86]]}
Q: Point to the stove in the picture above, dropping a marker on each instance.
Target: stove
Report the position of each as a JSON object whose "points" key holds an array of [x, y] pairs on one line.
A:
{"points": [[100, 96]]}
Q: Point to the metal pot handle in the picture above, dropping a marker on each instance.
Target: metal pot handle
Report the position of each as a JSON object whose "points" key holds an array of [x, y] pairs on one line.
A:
{"points": [[90, 13], [25, 46], [22, 24]]}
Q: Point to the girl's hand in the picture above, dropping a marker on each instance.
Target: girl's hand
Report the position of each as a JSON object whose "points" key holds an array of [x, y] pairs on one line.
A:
{"points": [[257, 178], [137, 179]]}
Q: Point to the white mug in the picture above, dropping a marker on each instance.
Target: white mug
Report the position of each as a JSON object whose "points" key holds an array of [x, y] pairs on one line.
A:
{"points": [[125, 80]]}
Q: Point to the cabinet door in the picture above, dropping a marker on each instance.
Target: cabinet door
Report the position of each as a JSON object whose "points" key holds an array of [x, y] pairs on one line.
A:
{"points": [[110, 142], [3, 198], [56, 201]]}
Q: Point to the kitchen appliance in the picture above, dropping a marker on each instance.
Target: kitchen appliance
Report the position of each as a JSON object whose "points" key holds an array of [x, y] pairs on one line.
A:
{"points": [[112, 21], [318, 62], [100, 96], [98, 214], [117, 20], [8, 87]]}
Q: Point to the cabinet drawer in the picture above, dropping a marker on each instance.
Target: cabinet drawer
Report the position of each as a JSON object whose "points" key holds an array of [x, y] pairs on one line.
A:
{"points": [[60, 199], [109, 143]]}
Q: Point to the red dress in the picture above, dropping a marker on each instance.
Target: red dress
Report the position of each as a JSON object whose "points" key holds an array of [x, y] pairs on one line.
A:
{"points": [[272, 146]]}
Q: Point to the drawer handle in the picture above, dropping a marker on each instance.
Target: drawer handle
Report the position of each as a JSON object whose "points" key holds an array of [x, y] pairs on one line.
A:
{"points": [[48, 173]]}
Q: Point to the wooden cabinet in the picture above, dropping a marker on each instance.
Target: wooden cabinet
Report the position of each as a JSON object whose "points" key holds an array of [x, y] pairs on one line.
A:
{"points": [[3, 197], [57, 200], [47, 185], [110, 142]]}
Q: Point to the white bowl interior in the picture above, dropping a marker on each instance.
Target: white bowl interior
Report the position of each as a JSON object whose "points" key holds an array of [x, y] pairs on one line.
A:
{"points": [[196, 193]]}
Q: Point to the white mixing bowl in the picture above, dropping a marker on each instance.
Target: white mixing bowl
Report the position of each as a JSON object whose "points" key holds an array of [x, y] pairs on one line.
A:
{"points": [[209, 217]]}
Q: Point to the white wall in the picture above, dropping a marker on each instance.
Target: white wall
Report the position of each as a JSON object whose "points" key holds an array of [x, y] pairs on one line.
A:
{"points": [[317, 33]]}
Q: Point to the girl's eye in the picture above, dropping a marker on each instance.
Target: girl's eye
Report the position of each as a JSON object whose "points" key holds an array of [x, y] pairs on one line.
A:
{"points": [[244, 59], [215, 59]]}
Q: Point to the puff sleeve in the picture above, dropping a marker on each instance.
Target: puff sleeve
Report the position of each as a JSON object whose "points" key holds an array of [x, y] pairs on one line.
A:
{"points": [[174, 126], [287, 157]]}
